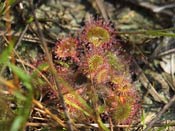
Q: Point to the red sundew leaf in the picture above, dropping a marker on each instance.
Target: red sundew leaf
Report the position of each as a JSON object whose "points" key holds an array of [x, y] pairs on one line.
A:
{"points": [[67, 47], [99, 33]]}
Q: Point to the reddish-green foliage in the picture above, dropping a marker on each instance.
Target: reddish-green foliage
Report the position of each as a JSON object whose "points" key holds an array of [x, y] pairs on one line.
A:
{"points": [[66, 48], [99, 33], [104, 79]]}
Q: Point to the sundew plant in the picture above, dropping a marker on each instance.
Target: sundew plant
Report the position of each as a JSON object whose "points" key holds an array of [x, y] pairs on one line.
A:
{"points": [[91, 83], [98, 67]]}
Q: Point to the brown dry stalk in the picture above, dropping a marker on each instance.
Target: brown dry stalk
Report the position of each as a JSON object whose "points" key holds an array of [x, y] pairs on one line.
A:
{"points": [[54, 117], [52, 68], [9, 37], [166, 107], [100, 4], [7, 83], [36, 124]]}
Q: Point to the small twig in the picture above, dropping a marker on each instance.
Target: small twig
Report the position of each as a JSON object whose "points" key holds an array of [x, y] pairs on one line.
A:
{"points": [[148, 85], [8, 84], [100, 4], [169, 104], [36, 124], [54, 117], [39, 118], [21, 36], [111, 125]]}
